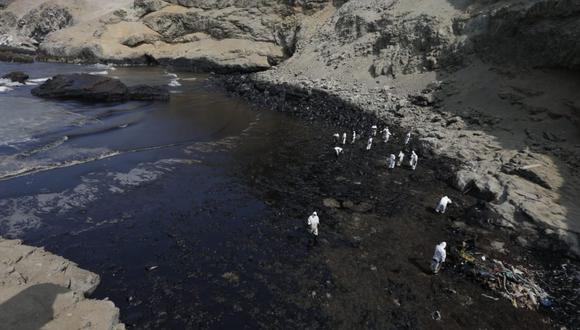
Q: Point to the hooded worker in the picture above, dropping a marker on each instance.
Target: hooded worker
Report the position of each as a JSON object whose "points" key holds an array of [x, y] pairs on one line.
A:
{"points": [[442, 206], [386, 134], [438, 257], [336, 136], [353, 136], [369, 143], [343, 138], [401, 158], [392, 161], [337, 151], [414, 159], [407, 138], [313, 222], [374, 130]]}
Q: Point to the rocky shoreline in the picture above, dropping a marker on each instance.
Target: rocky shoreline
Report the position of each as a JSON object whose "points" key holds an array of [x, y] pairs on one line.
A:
{"points": [[41, 290], [360, 108]]}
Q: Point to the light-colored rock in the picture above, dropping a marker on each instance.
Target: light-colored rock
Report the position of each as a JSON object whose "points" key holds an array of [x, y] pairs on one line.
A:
{"points": [[41, 290], [331, 203]]}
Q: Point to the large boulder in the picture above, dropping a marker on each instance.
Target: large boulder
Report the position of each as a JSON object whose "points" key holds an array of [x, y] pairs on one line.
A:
{"points": [[82, 86], [17, 76]]}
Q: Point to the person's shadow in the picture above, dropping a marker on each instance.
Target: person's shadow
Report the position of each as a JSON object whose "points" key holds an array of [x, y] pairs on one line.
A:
{"points": [[31, 308], [421, 265]]}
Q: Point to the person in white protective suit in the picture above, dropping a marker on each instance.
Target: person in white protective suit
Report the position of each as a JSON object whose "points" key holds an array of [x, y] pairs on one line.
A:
{"points": [[392, 161], [313, 222], [353, 136], [438, 257], [442, 206], [386, 134], [401, 158], [413, 161], [374, 130], [336, 136], [407, 138], [337, 151], [343, 138], [369, 143]]}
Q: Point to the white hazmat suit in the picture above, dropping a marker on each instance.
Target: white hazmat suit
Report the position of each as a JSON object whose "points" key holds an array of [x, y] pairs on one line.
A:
{"points": [[401, 158], [313, 222], [374, 130], [369, 143], [337, 151], [442, 206], [392, 161], [438, 257], [407, 138], [386, 134], [414, 159], [343, 138], [353, 136]]}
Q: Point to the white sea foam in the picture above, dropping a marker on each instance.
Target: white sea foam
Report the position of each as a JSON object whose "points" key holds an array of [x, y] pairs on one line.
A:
{"points": [[99, 73], [174, 83], [39, 80]]}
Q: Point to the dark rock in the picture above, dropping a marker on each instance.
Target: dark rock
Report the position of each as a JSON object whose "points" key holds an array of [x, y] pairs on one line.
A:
{"points": [[17, 76], [148, 93], [145, 7], [422, 99], [10, 56], [43, 20], [83, 86]]}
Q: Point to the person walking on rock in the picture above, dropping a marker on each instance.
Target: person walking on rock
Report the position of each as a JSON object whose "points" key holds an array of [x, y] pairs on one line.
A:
{"points": [[438, 257], [374, 130], [313, 222], [343, 138], [442, 206], [413, 161], [392, 161], [353, 137], [336, 136], [386, 134], [401, 157], [369, 143], [337, 151], [407, 138]]}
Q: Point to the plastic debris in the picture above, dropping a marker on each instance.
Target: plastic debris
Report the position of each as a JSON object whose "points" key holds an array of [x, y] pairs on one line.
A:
{"points": [[515, 284]]}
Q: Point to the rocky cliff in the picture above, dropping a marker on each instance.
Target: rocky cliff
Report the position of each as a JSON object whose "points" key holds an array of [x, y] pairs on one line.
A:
{"points": [[221, 36]]}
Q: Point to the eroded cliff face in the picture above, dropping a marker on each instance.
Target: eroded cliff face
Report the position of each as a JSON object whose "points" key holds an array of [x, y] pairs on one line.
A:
{"points": [[220, 36], [392, 37]]}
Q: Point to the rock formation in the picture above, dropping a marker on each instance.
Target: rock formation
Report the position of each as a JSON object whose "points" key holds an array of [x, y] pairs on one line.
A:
{"points": [[97, 88], [41, 290]]}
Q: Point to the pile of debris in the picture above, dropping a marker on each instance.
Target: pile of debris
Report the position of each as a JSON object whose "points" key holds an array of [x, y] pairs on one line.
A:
{"points": [[515, 284]]}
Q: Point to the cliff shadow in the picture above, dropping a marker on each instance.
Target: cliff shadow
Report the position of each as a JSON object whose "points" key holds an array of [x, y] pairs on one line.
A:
{"points": [[31, 308]]}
